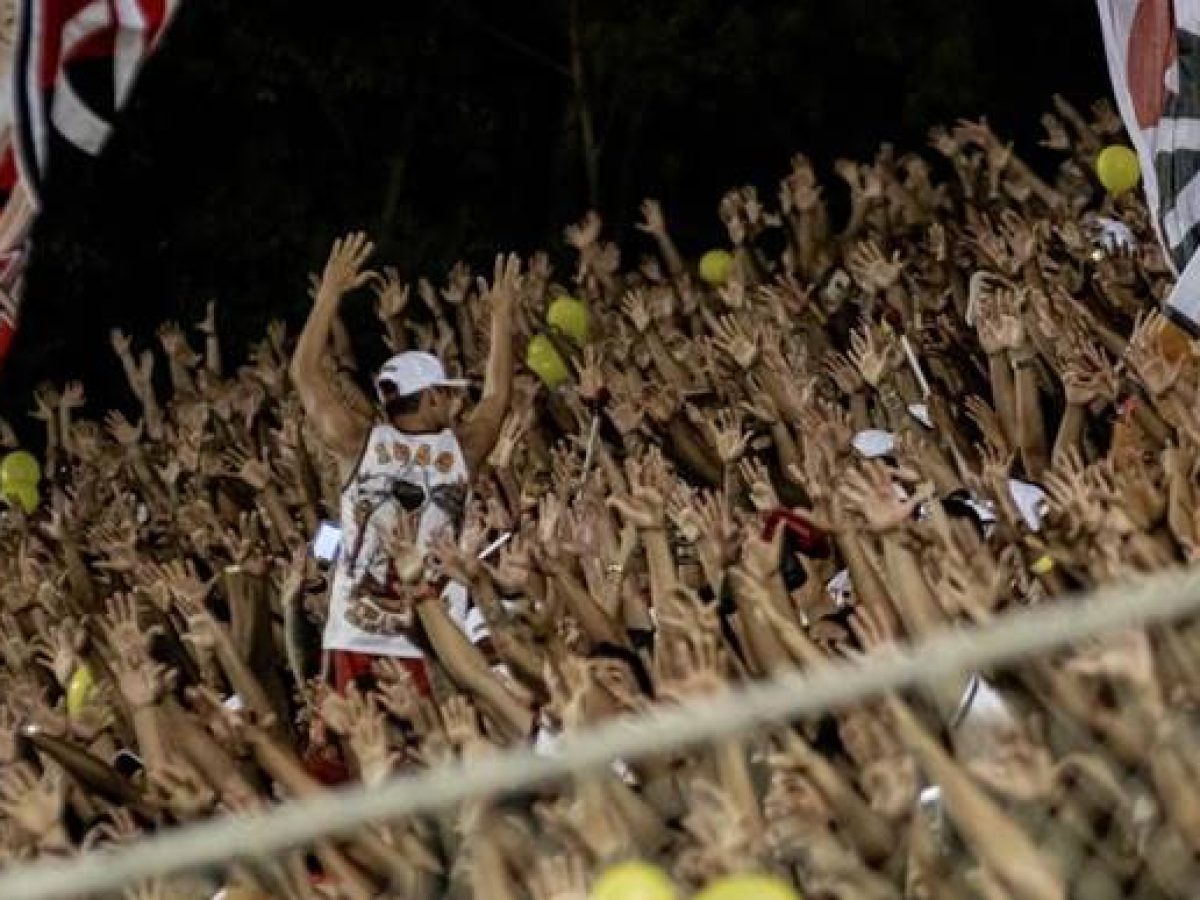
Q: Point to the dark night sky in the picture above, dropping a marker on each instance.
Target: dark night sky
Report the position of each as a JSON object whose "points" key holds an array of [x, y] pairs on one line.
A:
{"points": [[446, 128]]}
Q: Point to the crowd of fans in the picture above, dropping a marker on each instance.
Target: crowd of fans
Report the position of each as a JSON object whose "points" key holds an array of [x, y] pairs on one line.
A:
{"points": [[961, 403]]}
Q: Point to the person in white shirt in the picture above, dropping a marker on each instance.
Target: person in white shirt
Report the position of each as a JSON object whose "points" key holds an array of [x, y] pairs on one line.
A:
{"points": [[415, 460]]}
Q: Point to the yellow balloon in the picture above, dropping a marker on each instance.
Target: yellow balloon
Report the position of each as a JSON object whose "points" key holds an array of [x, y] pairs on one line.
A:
{"points": [[570, 316], [748, 887], [716, 266], [634, 880], [79, 689], [23, 494], [1117, 168], [20, 467], [543, 358]]}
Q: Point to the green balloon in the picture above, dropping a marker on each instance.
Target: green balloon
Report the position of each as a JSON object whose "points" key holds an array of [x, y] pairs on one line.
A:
{"points": [[22, 494], [20, 467], [1118, 169], [543, 358], [570, 316]]}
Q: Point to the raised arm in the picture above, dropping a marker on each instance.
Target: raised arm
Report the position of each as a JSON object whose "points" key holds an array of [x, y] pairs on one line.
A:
{"points": [[479, 433], [342, 429]]}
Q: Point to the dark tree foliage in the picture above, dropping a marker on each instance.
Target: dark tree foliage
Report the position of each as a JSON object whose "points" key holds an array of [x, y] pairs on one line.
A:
{"points": [[450, 129]]}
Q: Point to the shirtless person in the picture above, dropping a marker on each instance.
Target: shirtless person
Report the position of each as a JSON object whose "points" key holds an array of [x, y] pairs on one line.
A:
{"points": [[415, 459]]}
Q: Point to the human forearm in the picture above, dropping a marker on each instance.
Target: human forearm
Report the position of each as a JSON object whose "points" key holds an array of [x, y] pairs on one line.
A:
{"points": [[664, 360], [1004, 395], [996, 839], [1070, 431], [663, 577], [279, 516], [470, 671], [921, 615], [692, 454], [483, 428], [860, 411], [489, 873], [868, 587], [734, 775], [212, 353], [181, 377], [909, 591], [1181, 501], [590, 615], [669, 253], [79, 577], [1031, 432], [397, 335], [315, 337], [147, 728], [241, 678], [758, 628]]}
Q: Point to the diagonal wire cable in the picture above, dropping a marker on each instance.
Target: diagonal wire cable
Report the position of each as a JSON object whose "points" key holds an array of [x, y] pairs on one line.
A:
{"points": [[302, 821]]}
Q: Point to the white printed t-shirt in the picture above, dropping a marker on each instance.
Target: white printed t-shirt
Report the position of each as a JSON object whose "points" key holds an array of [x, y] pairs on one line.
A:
{"points": [[392, 462]]}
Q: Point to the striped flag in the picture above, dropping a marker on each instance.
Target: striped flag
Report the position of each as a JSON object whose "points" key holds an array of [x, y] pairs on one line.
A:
{"points": [[1153, 51], [42, 45]]}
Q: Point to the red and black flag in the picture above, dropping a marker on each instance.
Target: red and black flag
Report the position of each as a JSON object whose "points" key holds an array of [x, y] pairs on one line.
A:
{"points": [[45, 45]]}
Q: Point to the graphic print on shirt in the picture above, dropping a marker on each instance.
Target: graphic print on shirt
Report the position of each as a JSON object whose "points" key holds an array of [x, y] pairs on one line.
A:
{"points": [[421, 476]]}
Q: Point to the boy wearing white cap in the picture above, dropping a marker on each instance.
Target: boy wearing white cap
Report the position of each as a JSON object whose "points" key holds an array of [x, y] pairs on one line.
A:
{"points": [[415, 461]]}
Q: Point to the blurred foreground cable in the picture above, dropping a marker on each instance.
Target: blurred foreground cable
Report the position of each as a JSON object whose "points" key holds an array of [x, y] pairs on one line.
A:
{"points": [[300, 822]]}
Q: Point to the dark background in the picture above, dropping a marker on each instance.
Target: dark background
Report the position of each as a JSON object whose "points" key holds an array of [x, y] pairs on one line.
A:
{"points": [[449, 129]]}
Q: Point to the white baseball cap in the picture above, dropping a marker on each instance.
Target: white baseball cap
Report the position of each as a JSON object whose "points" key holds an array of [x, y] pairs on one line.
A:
{"points": [[415, 371]]}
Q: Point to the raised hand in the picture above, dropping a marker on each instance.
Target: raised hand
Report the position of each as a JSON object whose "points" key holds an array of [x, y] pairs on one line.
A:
{"points": [[174, 341], [560, 877], [208, 325], [584, 234], [1089, 376], [391, 295], [127, 638], [736, 340], [871, 268], [182, 789], [800, 191], [1056, 133], [844, 373], [943, 142], [35, 802], [122, 431], [643, 505], [506, 283], [59, 648], [344, 268], [874, 355], [653, 221], [121, 343], [239, 464], [399, 694], [637, 310], [1105, 119], [73, 396], [762, 491], [725, 431], [142, 682], [998, 321], [1146, 357], [45, 402], [872, 490]]}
